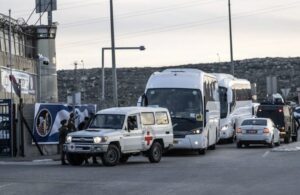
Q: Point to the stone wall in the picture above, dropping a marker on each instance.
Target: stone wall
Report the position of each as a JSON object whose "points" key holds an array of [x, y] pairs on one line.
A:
{"points": [[132, 81]]}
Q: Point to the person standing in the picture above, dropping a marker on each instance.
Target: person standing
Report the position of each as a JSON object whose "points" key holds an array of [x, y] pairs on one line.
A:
{"points": [[71, 123], [63, 132], [84, 125]]}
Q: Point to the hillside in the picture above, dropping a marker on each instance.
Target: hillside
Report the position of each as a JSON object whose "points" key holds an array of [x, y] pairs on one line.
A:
{"points": [[132, 81]]}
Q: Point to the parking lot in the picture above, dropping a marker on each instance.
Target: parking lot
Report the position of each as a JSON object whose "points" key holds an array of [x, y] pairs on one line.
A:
{"points": [[226, 170]]}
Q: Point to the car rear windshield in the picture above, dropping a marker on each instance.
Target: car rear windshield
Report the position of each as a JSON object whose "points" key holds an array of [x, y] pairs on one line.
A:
{"points": [[258, 122]]}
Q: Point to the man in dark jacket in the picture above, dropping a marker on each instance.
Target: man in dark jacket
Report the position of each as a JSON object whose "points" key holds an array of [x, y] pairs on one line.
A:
{"points": [[63, 132], [71, 123], [84, 124]]}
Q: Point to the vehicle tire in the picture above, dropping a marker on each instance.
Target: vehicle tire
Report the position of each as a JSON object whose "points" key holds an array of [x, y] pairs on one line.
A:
{"points": [[295, 137], [212, 147], [155, 152], [278, 143], [112, 156], [271, 145], [202, 151], [287, 138], [124, 158], [239, 145], [75, 159]]}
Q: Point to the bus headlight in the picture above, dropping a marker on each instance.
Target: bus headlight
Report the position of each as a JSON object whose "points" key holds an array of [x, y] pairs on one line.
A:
{"points": [[197, 131], [69, 139], [97, 140]]}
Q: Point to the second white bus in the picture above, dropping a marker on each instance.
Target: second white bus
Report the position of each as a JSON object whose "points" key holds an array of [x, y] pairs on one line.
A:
{"points": [[235, 102]]}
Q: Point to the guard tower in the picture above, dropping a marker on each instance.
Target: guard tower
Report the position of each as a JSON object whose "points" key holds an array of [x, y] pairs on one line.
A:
{"points": [[45, 44]]}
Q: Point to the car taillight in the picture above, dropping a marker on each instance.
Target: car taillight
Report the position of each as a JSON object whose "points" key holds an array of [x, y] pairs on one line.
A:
{"points": [[238, 130], [266, 130]]}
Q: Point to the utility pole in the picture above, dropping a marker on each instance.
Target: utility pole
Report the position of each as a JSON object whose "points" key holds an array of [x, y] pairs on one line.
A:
{"points": [[113, 54], [230, 34], [11, 88], [75, 86]]}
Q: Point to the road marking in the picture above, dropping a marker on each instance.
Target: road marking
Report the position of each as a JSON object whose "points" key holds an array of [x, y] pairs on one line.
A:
{"points": [[3, 186], [265, 154]]}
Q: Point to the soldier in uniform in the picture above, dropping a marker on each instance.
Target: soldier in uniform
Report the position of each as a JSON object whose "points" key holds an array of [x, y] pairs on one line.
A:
{"points": [[71, 123], [63, 132], [84, 124]]}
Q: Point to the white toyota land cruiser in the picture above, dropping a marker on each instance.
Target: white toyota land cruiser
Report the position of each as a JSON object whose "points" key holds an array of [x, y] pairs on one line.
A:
{"points": [[115, 134]]}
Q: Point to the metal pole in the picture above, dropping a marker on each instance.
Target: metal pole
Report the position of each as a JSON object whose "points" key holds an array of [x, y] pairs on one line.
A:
{"points": [[83, 96], [230, 34], [39, 80], [75, 88], [103, 76], [10, 55], [142, 48], [11, 92], [50, 18], [113, 54]]}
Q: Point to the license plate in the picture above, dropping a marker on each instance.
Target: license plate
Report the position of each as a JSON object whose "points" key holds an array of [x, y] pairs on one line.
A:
{"points": [[175, 142], [251, 131]]}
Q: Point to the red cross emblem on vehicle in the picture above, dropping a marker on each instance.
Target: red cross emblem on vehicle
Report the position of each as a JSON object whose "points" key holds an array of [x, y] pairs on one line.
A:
{"points": [[148, 138]]}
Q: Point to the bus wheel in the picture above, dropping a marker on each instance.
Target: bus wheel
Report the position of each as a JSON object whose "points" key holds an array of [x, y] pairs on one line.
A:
{"points": [[212, 147], [202, 151], [287, 138]]}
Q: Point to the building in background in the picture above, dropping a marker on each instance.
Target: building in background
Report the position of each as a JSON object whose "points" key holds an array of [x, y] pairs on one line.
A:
{"points": [[37, 77]]}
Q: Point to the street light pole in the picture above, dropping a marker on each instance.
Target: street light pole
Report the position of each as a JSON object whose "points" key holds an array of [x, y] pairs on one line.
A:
{"points": [[230, 36], [113, 54], [11, 92], [75, 88], [141, 48]]}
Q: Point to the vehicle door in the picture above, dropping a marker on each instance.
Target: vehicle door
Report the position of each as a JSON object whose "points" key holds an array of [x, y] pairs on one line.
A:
{"points": [[133, 135]]}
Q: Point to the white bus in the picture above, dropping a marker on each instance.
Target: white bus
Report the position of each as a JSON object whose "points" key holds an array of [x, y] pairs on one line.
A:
{"points": [[192, 98], [235, 103]]}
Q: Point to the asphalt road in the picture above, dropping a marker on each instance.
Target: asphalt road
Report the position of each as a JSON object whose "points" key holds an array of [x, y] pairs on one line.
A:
{"points": [[226, 170]]}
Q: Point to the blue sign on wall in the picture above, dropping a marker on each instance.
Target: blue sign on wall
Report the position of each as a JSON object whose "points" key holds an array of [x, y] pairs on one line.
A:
{"points": [[47, 118]]}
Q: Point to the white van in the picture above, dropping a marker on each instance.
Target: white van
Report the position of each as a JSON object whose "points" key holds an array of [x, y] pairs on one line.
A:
{"points": [[115, 134]]}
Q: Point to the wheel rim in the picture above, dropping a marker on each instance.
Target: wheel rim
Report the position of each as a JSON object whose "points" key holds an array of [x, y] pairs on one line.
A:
{"points": [[156, 153], [112, 155]]}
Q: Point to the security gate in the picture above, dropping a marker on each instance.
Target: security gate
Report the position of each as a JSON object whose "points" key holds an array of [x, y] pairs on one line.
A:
{"points": [[5, 127]]}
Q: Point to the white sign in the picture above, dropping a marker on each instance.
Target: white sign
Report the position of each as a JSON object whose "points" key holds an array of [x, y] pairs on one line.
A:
{"points": [[27, 81]]}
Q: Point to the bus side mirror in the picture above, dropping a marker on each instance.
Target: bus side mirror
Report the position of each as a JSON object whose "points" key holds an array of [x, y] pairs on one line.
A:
{"points": [[206, 111]]}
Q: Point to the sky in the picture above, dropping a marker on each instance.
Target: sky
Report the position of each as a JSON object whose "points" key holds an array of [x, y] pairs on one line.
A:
{"points": [[174, 32]]}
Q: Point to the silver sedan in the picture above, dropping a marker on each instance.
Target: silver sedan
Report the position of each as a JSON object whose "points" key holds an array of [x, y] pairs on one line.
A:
{"points": [[257, 131]]}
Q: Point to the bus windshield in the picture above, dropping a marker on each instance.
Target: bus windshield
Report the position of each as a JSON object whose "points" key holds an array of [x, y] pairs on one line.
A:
{"points": [[184, 105], [223, 101], [181, 103]]}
